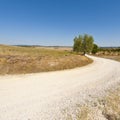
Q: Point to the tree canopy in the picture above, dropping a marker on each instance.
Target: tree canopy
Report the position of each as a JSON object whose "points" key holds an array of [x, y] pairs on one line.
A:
{"points": [[83, 43], [95, 49]]}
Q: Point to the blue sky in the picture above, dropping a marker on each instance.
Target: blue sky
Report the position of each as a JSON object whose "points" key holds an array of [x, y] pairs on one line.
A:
{"points": [[57, 22]]}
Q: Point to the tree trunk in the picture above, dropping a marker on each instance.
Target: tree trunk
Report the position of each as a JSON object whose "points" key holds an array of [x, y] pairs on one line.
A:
{"points": [[84, 53]]}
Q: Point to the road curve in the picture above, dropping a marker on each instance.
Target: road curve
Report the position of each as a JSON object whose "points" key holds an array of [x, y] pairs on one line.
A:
{"points": [[47, 96]]}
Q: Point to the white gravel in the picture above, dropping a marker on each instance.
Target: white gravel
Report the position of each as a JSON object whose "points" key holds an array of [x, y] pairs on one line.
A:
{"points": [[52, 95]]}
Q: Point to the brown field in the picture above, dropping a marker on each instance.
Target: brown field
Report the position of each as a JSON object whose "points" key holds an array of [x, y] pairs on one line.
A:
{"points": [[113, 57], [22, 60], [110, 54]]}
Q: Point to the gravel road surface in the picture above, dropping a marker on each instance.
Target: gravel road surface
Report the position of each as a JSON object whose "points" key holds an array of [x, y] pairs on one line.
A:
{"points": [[52, 95]]}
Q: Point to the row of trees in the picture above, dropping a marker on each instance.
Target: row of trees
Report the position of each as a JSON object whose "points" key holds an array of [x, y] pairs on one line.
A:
{"points": [[85, 44]]}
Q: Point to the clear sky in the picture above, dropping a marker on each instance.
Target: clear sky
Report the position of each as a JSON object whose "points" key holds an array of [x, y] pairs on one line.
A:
{"points": [[57, 22]]}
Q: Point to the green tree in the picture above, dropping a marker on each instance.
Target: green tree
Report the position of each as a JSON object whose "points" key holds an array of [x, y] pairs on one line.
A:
{"points": [[83, 44], [77, 44], [95, 49], [87, 44]]}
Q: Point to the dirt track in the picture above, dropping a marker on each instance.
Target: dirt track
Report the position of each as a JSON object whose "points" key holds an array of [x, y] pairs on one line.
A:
{"points": [[52, 95]]}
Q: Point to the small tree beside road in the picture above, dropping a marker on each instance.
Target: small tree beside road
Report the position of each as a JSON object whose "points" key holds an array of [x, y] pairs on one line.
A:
{"points": [[83, 44]]}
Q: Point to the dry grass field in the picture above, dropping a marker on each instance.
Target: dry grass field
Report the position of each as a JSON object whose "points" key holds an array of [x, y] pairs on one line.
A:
{"points": [[22, 60], [113, 57], [110, 54]]}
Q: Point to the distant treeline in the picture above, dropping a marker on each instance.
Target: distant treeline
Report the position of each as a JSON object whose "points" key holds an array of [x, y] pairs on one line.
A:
{"points": [[110, 49], [28, 45], [43, 46]]}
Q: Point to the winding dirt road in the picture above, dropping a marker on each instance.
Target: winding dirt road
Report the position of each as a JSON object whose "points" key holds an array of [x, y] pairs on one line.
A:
{"points": [[47, 96]]}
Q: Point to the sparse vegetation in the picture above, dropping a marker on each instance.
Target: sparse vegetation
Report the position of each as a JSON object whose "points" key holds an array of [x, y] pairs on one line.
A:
{"points": [[111, 110], [107, 108], [15, 60], [83, 114], [109, 51], [113, 57]]}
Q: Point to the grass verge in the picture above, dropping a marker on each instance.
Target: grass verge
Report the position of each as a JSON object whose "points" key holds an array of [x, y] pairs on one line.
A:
{"points": [[22, 60]]}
